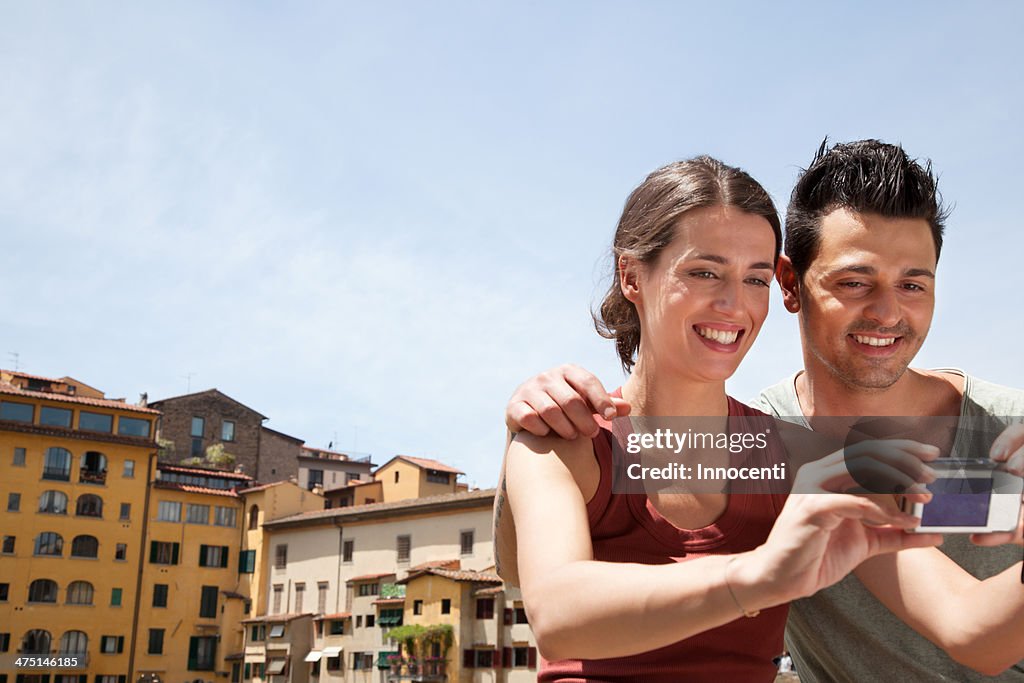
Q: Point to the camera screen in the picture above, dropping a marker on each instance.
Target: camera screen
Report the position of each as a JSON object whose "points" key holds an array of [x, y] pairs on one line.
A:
{"points": [[958, 501]]}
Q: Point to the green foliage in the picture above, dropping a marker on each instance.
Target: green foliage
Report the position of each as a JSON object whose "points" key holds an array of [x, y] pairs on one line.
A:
{"points": [[215, 455], [415, 638], [166, 449], [392, 590]]}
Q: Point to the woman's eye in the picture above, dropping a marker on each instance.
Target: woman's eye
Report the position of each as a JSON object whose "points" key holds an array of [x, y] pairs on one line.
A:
{"points": [[704, 274], [852, 285]]}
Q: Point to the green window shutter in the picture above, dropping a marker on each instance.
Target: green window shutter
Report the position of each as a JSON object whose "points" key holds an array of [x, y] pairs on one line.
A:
{"points": [[248, 671], [202, 556], [152, 552], [115, 597], [193, 652], [174, 553], [224, 556], [120, 644]]}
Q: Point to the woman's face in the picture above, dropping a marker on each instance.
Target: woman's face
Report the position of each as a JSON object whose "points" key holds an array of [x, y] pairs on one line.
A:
{"points": [[703, 300]]}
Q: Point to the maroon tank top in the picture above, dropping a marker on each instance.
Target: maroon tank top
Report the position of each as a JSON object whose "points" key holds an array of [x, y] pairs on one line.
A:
{"points": [[627, 528]]}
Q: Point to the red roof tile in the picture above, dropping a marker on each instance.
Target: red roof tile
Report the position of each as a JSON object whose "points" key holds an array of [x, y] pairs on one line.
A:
{"points": [[389, 601], [188, 488], [368, 577], [443, 564], [10, 389], [203, 471], [18, 373], [425, 463], [409, 506], [455, 575], [337, 615]]}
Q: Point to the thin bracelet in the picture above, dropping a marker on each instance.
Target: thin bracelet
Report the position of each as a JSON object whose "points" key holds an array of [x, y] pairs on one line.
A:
{"points": [[733, 594]]}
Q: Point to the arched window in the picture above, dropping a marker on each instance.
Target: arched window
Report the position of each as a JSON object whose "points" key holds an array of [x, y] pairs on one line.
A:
{"points": [[57, 464], [74, 642], [53, 502], [49, 543], [36, 642], [85, 546], [42, 590], [89, 506], [93, 468], [79, 593], [254, 517]]}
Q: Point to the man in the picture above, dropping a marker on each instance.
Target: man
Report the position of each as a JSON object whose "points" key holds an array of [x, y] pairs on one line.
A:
{"points": [[863, 236]]}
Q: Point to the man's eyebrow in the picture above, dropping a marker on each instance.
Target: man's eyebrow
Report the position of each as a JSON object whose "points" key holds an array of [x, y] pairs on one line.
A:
{"points": [[715, 258], [871, 270]]}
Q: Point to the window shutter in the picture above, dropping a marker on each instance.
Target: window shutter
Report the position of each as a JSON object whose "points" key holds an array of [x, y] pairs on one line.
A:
{"points": [[193, 652], [174, 553], [496, 659], [508, 616], [468, 659], [507, 657], [152, 552], [120, 644], [223, 556], [531, 658]]}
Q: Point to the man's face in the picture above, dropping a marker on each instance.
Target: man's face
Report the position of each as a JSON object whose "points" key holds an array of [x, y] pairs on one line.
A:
{"points": [[867, 299]]}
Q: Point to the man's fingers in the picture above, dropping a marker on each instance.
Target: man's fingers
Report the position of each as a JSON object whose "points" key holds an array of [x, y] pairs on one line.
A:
{"points": [[894, 540], [551, 413], [1011, 440], [590, 388], [527, 420], [998, 538], [576, 409], [622, 407]]}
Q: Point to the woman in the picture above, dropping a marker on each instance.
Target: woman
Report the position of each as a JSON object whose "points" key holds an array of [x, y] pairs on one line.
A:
{"points": [[690, 586]]}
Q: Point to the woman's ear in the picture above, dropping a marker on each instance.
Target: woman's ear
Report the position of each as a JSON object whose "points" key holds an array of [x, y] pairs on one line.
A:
{"points": [[790, 284], [629, 278]]}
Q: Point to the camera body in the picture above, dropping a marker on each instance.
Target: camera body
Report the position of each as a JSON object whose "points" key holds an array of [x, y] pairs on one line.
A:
{"points": [[970, 495]]}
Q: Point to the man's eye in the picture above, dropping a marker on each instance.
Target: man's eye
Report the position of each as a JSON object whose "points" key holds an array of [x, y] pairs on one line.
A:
{"points": [[913, 287], [760, 282]]}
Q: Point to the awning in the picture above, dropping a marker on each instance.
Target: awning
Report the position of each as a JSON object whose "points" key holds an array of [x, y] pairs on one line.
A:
{"points": [[314, 656], [275, 667], [332, 651], [382, 658]]}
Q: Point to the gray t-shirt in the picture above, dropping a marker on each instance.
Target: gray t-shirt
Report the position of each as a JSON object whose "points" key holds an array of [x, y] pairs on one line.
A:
{"points": [[843, 633]]}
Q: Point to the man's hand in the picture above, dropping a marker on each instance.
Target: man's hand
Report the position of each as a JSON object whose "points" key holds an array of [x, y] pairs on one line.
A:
{"points": [[1008, 448], [563, 399]]}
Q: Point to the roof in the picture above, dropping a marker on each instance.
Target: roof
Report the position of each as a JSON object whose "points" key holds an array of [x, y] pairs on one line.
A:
{"points": [[459, 500], [389, 601], [269, 618], [455, 575], [423, 463], [189, 488], [368, 577], [203, 471], [234, 595], [494, 590], [352, 484], [218, 392], [443, 564], [11, 390], [19, 373], [336, 615], [289, 437], [264, 487]]}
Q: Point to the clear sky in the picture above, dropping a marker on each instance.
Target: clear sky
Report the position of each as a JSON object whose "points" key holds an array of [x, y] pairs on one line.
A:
{"points": [[371, 221]]}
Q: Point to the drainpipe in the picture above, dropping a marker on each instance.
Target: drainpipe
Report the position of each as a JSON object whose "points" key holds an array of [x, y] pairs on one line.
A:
{"points": [[142, 559]]}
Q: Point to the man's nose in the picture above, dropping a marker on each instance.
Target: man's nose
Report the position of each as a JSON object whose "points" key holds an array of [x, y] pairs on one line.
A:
{"points": [[884, 308]]}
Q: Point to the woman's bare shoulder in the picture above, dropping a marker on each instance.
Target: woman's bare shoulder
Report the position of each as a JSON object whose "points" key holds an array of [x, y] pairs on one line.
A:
{"points": [[576, 455]]}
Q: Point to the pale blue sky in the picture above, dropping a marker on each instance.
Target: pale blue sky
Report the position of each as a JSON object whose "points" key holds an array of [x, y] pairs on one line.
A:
{"points": [[371, 221]]}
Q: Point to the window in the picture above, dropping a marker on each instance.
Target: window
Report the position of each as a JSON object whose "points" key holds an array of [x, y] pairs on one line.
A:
{"points": [[334, 662], [337, 627], [5, 642], [57, 464], [208, 602], [321, 597], [36, 642], [446, 605], [362, 661], [53, 502], [227, 430], [49, 543], [438, 477], [369, 589], [197, 514], [42, 590], [19, 457], [224, 516], [347, 549], [85, 546], [16, 412], [404, 543], [121, 551], [278, 594], [169, 511], [79, 593], [89, 506], [13, 502], [417, 607], [213, 556], [466, 542], [129, 469], [479, 659], [8, 548], [277, 667], [115, 597], [162, 552], [156, 641], [126, 512], [369, 620], [111, 645], [520, 615], [277, 630], [198, 425], [300, 595], [314, 478], [132, 426], [247, 562], [74, 642], [160, 595], [280, 556], [95, 422], [92, 468], [55, 417], [5, 589], [254, 517], [201, 651], [523, 655], [359, 621], [485, 608], [396, 476]]}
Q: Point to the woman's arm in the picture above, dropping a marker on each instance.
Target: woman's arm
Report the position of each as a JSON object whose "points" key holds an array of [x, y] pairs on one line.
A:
{"points": [[817, 540]]}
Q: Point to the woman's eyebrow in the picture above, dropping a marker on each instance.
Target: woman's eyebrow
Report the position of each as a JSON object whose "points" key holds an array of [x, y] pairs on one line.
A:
{"points": [[715, 258]]}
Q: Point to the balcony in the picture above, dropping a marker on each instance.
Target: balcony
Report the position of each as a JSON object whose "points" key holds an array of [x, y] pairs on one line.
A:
{"points": [[57, 473], [86, 476], [417, 669]]}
